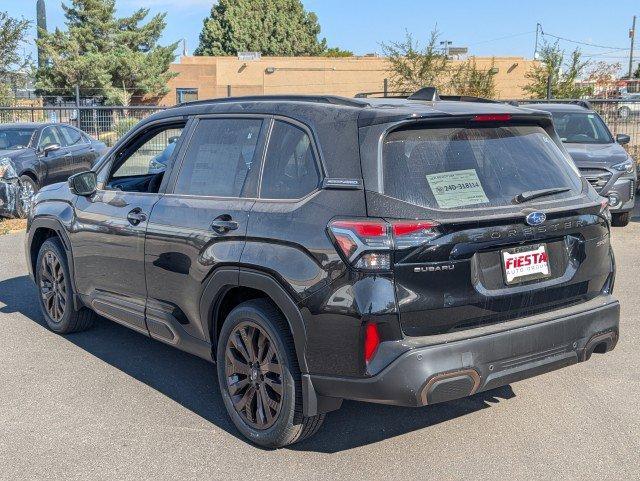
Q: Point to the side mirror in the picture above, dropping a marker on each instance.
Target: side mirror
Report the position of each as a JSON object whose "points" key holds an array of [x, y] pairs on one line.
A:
{"points": [[50, 148], [84, 183], [623, 139]]}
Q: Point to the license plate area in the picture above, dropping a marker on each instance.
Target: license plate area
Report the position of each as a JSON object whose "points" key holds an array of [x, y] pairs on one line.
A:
{"points": [[525, 263]]}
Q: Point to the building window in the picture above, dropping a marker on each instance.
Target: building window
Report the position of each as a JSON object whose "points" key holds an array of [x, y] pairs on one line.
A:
{"points": [[186, 95]]}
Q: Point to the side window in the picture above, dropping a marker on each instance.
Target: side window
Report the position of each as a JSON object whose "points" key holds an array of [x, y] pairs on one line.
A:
{"points": [[149, 153], [71, 135], [290, 168], [219, 161], [50, 136]]}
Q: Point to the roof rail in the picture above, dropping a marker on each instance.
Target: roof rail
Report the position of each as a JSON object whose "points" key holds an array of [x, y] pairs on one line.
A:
{"points": [[431, 94], [386, 95], [324, 99], [582, 103]]}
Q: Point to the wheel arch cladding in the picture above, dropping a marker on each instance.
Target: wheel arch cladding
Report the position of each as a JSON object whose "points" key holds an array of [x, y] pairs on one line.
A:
{"points": [[229, 287]]}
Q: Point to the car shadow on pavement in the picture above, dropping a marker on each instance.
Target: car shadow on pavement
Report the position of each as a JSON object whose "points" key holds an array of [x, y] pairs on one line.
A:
{"points": [[191, 382]]}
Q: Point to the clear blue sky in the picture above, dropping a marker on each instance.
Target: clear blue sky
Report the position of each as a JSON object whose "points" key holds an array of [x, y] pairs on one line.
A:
{"points": [[360, 25]]}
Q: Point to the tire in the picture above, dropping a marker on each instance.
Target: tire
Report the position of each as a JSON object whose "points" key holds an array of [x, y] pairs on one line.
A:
{"points": [[624, 112], [620, 220], [52, 275], [288, 425], [28, 189]]}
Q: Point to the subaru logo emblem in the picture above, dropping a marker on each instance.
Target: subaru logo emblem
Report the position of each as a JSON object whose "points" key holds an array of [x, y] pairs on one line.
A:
{"points": [[536, 218]]}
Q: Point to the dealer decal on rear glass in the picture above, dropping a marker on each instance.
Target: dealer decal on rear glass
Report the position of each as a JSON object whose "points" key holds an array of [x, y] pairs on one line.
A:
{"points": [[457, 188]]}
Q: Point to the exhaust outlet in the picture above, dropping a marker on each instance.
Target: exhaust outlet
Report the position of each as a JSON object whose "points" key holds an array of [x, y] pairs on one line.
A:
{"points": [[450, 385], [600, 344]]}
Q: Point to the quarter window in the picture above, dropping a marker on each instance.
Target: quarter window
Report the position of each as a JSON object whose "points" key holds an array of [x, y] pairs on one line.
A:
{"points": [[71, 136], [219, 161], [290, 169]]}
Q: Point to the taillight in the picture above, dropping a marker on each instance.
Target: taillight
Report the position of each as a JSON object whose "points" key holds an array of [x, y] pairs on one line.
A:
{"points": [[367, 244], [371, 340], [492, 117], [413, 233]]}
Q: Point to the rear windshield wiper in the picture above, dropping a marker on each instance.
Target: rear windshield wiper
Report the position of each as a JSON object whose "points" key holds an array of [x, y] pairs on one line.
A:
{"points": [[535, 194]]}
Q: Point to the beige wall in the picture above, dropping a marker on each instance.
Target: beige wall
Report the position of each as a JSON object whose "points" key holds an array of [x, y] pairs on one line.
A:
{"points": [[313, 75]]}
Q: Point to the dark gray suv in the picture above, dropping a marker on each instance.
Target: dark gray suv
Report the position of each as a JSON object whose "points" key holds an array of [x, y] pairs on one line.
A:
{"points": [[397, 251], [600, 157]]}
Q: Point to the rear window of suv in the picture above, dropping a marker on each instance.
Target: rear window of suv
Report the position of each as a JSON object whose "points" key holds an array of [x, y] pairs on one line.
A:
{"points": [[462, 168]]}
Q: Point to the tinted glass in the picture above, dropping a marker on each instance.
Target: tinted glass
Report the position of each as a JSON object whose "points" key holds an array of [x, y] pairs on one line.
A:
{"points": [[458, 168], [579, 128], [220, 158], [50, 135], [71, 136], [290, 169], [14, 138]]}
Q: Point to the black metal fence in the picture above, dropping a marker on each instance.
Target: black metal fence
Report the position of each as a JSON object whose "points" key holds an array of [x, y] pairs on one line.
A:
{"points": [[106, 124]]}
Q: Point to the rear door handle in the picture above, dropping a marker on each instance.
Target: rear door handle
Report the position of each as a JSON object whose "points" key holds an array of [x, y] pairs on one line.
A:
{"points": [[136, 216], [224, 223]]}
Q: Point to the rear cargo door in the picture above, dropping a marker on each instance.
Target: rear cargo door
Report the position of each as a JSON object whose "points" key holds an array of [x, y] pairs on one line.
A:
{"points": [[514, 230]]}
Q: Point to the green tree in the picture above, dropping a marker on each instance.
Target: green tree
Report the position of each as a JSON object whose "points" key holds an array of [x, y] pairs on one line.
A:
{"points": [[13, 64], [116, 58], [564, 74], [337, 52], [273, 27], [412, 66], [468, 79]]}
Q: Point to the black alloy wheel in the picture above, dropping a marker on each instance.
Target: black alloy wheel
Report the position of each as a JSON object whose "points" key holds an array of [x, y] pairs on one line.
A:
{"points": [[53, 289], [254, 375]]}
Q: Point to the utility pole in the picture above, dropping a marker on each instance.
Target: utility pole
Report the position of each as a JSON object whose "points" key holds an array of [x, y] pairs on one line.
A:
{"points": [[535, 50], [632, 34], [445, 47]]}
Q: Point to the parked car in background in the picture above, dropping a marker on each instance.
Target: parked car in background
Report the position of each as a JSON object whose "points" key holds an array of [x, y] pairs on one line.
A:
{"points": [[159, 162], [629, 109], [600, 157], [399, 251], [33, 155]]}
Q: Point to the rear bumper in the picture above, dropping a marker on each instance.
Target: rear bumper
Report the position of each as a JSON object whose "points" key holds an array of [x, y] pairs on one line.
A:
{"points": [[523, 348]]}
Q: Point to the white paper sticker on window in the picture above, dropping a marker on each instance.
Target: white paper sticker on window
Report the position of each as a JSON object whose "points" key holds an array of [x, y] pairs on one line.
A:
{"points": [[457, 188]]}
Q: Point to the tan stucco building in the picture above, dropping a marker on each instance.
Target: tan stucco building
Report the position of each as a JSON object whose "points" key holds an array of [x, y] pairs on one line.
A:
{"points": [[210, 77]]}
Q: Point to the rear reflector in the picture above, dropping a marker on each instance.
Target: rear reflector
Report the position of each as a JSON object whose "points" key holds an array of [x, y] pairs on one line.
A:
{"points": [[492, 117], [371, 341]]}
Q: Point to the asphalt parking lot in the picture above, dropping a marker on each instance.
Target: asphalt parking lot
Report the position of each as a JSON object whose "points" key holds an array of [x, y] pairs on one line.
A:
{"points": [[112, 404]]}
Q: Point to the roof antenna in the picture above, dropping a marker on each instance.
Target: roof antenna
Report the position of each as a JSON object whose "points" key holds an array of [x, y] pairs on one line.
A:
{"points": [[429, 94]]}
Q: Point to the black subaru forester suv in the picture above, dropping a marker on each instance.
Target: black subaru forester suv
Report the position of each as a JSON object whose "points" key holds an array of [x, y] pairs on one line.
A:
{"points": [[400, 251]]}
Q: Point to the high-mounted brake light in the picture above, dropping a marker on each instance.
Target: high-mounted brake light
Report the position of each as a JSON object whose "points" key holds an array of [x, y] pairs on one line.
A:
{"points": [[492, 117], [367, 244], [371, 341]]}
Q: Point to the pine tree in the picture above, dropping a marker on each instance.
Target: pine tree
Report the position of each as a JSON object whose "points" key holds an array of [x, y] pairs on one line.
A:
{"points": [[12, 62], [115, 58], [273, 27]]}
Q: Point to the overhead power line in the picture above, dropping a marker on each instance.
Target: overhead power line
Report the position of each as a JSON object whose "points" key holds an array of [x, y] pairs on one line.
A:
{"points": [[502, 38], [582, 43]]}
